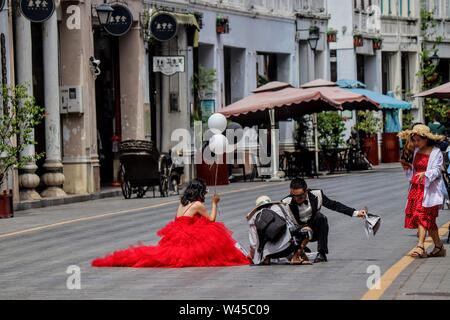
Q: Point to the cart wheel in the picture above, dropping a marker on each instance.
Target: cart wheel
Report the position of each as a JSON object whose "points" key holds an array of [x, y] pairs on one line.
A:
{"points": [[126, 189], [164, 186], [125, 184], [140, 192]]}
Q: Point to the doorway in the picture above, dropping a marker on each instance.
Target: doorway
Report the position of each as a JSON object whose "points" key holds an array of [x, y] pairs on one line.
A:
{"points": [[107, 99]]}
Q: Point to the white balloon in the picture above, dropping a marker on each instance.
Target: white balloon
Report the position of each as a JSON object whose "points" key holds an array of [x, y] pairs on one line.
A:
{"points": [[218, 144], [217, 121]]}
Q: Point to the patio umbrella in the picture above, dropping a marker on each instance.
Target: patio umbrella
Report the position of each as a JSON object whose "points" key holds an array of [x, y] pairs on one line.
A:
{"points": [[346, 99], [440, 92], [388, 103], [281, 101]]}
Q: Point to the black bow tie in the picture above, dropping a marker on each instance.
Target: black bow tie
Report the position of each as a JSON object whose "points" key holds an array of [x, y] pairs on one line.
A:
{"points": [[305, 202]]}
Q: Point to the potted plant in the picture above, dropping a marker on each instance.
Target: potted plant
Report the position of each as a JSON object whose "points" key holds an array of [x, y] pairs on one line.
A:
{"points": [[377, 42], [368, 126], [331, 35], [331, 128], [222, 25], [314, 32], [19, 116], [358, 40]]}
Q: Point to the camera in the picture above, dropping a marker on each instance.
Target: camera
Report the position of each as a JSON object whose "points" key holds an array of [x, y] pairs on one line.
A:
{"points": [[95, 70], [95, 62], [299, 234]]}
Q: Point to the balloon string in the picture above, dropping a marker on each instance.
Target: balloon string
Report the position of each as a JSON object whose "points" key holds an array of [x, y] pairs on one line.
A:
{"points": [[215, 187]]}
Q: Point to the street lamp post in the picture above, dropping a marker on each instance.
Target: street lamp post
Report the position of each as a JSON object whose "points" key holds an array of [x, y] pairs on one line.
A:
{"points": [[313, 40], [435, 59], [104, 11]]}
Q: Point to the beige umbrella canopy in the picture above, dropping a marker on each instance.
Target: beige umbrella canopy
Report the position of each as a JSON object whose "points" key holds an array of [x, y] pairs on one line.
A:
{"points": [[280, 101], [346, 99], [440, 92], [289, 102]]}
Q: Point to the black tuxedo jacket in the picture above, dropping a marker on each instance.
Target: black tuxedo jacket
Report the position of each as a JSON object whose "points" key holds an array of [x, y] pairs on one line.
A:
{"points": [[317, 201]]}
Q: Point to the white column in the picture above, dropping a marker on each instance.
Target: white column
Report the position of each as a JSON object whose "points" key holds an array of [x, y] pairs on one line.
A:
{"points": [[28, 179], [54, 178]]}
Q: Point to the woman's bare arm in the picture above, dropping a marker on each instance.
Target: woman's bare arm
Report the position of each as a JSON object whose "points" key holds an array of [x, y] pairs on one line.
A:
{"points": [[201, 209]]}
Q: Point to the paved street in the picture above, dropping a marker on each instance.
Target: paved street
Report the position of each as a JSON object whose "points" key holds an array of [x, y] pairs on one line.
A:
{"points": [[33, 263]]}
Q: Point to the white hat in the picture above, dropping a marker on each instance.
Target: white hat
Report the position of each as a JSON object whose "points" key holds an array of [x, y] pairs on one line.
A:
{"points": [[262, 200]]}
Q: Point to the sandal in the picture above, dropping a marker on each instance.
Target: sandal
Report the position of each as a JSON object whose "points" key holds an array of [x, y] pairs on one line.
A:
{"points": [[417, 254], [300, 262], [301, 259], [441, 252]]}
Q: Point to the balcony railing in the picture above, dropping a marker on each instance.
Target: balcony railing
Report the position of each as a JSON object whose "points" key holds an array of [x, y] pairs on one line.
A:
{"points": [[275, 7], [401, 27]]}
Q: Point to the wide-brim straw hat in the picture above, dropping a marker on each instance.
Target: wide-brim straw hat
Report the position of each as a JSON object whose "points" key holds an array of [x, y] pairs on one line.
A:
{"points": [[260, 202], [421, 130]]}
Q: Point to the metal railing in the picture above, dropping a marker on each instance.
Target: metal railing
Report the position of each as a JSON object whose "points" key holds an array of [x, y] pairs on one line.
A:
{"points": [[275, 7]]}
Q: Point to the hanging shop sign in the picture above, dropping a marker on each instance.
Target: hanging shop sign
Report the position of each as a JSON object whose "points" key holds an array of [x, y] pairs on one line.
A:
{"points": [[37, 10], [163, 26], [120, 21], [168, 65], [2, 4]]}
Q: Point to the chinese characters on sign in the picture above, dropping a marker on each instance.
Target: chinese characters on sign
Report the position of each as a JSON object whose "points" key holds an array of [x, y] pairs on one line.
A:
{"points": [[168, 65], [120, 21], [163, 26], [37, 10]]}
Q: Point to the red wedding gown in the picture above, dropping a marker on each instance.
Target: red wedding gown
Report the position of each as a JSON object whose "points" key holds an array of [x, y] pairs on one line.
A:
{"points": [[185, 242], [416, 214]]}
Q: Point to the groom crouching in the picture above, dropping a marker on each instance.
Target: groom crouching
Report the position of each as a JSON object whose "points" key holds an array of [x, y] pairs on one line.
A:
{"points": [[305, 205]]}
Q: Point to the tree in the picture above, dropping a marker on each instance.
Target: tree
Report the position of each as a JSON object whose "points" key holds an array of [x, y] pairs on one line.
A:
{"points": [[331, 127], [428, 73], [18, 117]]}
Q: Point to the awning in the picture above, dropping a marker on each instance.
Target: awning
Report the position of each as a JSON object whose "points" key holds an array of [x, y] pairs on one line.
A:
{"points": [[440, 92], [385, 101], [190, 20]]}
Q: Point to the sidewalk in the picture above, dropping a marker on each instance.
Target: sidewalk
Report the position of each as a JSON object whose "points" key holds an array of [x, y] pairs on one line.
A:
{"points": [[424, 279]]}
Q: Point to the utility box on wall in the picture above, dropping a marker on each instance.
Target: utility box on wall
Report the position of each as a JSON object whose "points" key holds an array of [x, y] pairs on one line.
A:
{"points": [[71, 99]]}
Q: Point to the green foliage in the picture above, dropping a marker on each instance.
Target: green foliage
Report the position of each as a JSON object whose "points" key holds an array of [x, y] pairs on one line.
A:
{"points": [[202, 84], [331, 31], [19, 116], [407, 120], [368, 123], [262, 80], [430, 77], [300, 134], [331, 127]]}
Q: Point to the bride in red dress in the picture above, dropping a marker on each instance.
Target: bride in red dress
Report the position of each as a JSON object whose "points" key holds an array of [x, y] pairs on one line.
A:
{"points": [[193, 239]]}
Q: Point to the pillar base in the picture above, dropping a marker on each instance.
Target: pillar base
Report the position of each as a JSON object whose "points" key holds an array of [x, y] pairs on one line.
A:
{"points": [[53, 192], [29, 194], [278, 177], [53, 179], [28, 181]]}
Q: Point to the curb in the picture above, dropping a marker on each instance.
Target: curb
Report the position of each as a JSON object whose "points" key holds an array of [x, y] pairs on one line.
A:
{"points": [[33, 204]]}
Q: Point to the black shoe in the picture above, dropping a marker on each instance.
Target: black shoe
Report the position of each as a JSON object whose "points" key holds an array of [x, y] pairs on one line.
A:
{"points": [[321, 257]]}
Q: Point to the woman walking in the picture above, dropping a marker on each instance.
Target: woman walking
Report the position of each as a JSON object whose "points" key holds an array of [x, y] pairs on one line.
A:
{"points": [[427, 189]]}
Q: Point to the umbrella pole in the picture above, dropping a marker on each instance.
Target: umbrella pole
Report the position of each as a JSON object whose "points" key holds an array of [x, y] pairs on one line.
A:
{"points": [[316, 142], [275, 148]]}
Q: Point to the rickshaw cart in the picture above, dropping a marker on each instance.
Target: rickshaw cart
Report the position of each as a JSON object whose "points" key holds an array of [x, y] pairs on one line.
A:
{"points": [[141, 168]]}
